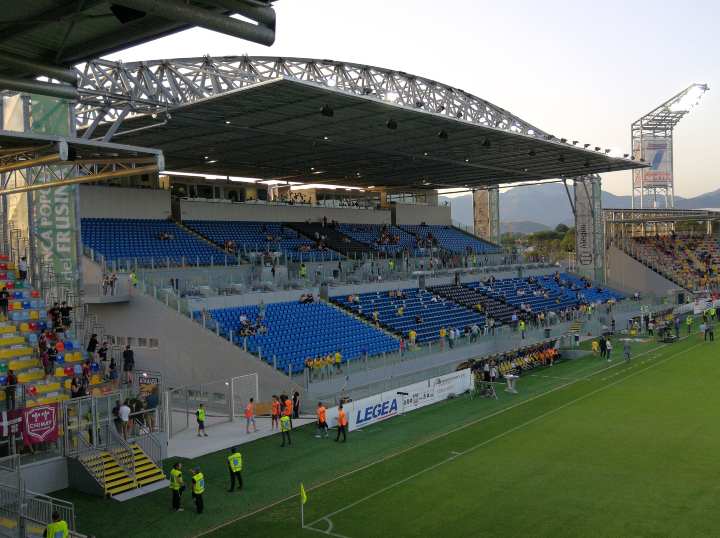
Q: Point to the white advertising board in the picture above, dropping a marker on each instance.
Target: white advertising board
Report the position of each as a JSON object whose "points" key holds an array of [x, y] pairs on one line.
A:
{"points": [[380, 407]]}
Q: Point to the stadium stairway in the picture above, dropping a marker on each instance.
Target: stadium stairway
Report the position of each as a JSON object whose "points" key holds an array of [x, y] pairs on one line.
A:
{"points": [[469, 297], [113, 480], [200, 236], [333, 238]]}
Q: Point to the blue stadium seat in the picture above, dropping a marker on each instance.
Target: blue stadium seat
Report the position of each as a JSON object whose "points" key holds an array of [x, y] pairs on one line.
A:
{"points": [[139, 239], [261, 237], [435, 312], [298, 331], [452, 239]]}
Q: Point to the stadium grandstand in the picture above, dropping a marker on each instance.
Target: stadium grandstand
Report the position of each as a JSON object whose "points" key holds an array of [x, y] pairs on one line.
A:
{"points": [[272, 247]]}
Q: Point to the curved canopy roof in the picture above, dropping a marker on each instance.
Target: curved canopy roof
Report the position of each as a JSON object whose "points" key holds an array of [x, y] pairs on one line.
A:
{"points": [[309, 120]]}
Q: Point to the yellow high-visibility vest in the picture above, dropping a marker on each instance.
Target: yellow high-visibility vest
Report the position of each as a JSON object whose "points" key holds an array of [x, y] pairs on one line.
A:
{"points": [[199, 484], [235, 461]]}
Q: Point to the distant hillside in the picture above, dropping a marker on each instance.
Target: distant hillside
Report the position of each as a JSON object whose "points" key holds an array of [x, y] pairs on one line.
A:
{"points": [[522, 227], [548, 205]]}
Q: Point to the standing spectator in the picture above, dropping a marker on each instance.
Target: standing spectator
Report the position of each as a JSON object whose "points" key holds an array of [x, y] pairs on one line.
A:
{"points": [[113, 373], [124, 416], [4, 296], [296, 405], [288, 407], [75, 387], [608, 349], [250, 416], [151, 404], [689, 322], [92, 345], [677, 326], [703, 329], [22, 268], [128, 364], [10, 386], [65, 311], [102, 355]]}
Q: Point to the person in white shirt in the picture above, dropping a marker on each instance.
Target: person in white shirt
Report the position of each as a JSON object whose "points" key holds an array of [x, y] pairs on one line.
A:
{"points": [[124, 416], [22, 268]]}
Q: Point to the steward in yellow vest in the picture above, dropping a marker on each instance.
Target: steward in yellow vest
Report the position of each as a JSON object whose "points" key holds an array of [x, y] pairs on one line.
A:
{"points": [[235, 468]]}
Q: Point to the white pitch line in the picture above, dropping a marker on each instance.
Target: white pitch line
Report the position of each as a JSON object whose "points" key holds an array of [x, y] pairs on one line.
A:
{"points": [[408, 449], [496, 437]]}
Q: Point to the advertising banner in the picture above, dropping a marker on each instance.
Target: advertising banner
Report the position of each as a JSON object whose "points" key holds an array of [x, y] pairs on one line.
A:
{"points": [[40, 424], [380, 407], [658, 153]]}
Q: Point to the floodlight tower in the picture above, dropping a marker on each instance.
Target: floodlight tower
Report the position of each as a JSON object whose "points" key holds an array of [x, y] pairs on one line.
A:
{"points": [[652, 141]]}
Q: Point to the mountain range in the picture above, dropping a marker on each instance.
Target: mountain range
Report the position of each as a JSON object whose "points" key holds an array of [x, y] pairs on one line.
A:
{"points": [[539, 207]]}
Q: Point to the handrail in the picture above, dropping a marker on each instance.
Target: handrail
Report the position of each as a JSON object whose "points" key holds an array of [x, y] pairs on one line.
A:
{"points": [[149, 444], [122, 452], [40, 507]]}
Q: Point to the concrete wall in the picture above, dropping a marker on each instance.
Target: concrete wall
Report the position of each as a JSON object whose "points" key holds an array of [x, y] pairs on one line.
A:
{"points": [[627, 274], [122, 203], [187, 354], [195, 210], [417, 214], [46, 476]]}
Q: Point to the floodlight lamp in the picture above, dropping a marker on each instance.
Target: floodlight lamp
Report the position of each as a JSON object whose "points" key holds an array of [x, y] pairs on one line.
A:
{"points": [[575, 142], [332, 82], [586, 146], [690, 99], [392, 96]]}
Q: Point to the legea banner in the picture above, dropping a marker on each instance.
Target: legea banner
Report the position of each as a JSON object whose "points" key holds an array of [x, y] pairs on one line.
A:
{"points": [[374, 409]]}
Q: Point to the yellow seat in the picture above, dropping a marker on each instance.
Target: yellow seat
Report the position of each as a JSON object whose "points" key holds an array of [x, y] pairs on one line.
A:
{"points": [[34, 314], [17, 305], [24, 327]]}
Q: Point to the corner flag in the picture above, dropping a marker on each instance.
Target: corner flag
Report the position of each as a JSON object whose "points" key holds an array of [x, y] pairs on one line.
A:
{"points": [[303, 495]]}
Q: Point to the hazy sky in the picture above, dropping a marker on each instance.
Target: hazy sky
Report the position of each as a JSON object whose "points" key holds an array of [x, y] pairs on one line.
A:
{"points": [[577, 69]]}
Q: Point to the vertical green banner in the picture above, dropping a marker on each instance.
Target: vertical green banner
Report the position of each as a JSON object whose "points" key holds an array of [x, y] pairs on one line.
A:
{"points": [[56, 232], [54, 209]]}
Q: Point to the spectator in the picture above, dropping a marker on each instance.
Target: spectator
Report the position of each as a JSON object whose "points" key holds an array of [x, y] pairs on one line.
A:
{"points": [[124, 416], [4, 296], [128, 364], [102, 355], [10, 387], [22, 268], [75, 387], [92, 345], [296, 405], [65, 311]]}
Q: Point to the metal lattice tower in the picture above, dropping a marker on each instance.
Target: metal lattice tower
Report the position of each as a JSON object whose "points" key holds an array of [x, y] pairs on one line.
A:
{"points": [[652, 141]]}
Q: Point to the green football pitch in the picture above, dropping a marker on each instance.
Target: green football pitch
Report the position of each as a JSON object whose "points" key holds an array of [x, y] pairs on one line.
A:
{"points": [[588, 448]]}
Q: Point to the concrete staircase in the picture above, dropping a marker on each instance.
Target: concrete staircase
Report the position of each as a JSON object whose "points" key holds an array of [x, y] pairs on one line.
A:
{"points": [[122, 476]]}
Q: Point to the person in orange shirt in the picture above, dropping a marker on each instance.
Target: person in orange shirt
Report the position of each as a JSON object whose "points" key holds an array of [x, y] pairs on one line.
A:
{"points": [[288, 408], [322, 422], [250, 416], [342, 424], [275, 413]]}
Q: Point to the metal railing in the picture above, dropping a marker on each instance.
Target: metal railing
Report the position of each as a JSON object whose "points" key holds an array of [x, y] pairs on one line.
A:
{"points": [[92, 459], [39, 507], [121, 451], [151, 446]]}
